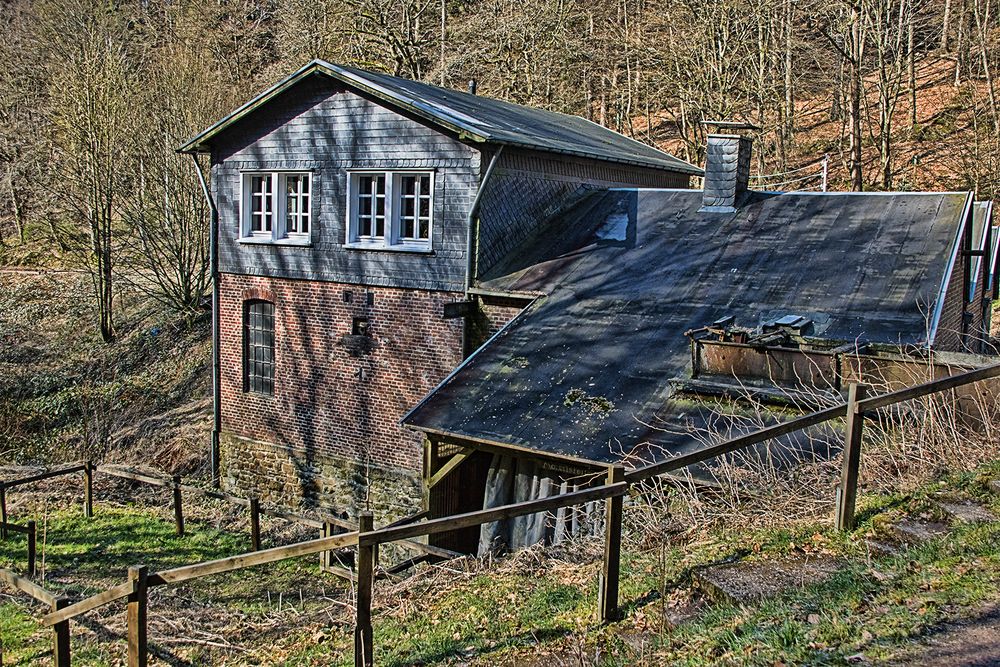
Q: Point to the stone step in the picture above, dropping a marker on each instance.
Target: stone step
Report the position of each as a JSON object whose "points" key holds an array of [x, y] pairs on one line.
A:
{"points": [[965, 511], [752, 581], [878, 547], [917, 531]]}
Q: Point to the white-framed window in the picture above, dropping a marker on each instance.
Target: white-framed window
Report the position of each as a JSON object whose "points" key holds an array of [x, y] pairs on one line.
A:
{"points": [[390, 209], [276, 205]]}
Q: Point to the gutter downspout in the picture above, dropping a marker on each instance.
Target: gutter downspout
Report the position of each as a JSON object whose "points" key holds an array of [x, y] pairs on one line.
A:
{"points": [[213, 261], [472, 249], [472, 268]]}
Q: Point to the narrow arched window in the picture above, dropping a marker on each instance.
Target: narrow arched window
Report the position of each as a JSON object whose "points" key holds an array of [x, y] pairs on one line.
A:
{"points": [[258, 347]]}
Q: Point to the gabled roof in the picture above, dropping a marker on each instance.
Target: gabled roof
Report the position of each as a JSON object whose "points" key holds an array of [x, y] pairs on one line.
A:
{"points": [[585, 372], [473, 118]]}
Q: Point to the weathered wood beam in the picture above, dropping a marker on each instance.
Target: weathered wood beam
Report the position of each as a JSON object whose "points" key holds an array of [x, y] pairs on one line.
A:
{"points": [[26, 585], [443, 525], [445, 470], [48, 474], [309, 547], [847, 491]]}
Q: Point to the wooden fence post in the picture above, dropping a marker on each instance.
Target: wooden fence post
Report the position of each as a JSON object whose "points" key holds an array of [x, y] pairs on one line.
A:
{"points": [[847, 491], [255, 524], [60, 635], [607, 594], [365, 577], [32, 527], [136, 617], [3, 511], [178, 506], [326, 558], [88, 489]]}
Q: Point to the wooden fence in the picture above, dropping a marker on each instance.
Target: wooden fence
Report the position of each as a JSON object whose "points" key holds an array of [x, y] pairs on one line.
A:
{"points": [[367, 539]]}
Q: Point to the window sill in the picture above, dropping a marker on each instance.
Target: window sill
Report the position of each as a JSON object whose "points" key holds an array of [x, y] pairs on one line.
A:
{"points": [[295, 242], [420, 250]]}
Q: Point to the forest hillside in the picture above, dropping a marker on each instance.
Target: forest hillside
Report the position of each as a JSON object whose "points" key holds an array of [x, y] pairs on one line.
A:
{"points": [[95, 97]]}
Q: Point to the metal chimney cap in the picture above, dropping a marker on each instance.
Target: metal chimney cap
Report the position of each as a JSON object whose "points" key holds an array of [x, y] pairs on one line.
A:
{"points": [[730, 125]]}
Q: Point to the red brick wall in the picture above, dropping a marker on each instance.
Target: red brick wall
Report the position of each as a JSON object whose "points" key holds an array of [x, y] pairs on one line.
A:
{"points": [[329, 399]]}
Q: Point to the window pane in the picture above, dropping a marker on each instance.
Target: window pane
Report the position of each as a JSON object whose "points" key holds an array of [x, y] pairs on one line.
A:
{"points": [[408, 185], [258, 347]]}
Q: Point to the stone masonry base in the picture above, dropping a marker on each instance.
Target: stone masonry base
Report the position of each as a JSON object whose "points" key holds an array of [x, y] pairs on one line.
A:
{"points": [[296, 478]]}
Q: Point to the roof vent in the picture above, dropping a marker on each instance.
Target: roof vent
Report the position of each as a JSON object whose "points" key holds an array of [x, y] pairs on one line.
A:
{"points": [[727, 165]]}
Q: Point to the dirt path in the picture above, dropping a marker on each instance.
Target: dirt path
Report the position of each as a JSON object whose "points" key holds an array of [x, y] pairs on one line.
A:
{"points": [[972, 642]]}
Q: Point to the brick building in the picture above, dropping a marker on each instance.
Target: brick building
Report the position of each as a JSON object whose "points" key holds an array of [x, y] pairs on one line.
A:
{"points": [[522, 290], [355, 213]]}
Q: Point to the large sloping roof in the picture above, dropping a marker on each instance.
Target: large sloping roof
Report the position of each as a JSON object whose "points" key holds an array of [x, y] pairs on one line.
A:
{"points": [[472, 117], [584, 372]]}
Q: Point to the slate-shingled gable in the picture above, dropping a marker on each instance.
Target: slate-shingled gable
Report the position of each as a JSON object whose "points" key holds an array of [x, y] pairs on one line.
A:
{"points": [[473, 118]]}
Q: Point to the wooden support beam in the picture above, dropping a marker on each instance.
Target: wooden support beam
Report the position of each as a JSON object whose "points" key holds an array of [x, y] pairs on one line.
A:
{"points": [[48, 474], [32, 528], [25, 585], [363, 640], [307, 548], [327, 559], [88, 489], [60, 635], [138, 649], [178, 506], [255, 524], [847, 492], [430, 466], [85, 605], [479, 517], [607, 594], [448, 467]]}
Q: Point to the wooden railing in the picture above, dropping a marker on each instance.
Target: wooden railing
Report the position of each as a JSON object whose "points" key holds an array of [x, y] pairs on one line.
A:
{"points": [[367, 539]]}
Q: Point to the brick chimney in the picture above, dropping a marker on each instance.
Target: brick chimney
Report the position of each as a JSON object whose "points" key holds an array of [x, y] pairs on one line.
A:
{"points": [[727, 166]]}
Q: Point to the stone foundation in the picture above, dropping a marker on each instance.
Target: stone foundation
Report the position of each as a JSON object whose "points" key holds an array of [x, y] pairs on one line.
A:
{"points": [[297, 478]]}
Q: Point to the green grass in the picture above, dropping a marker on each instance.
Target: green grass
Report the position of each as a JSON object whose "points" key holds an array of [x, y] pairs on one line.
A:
{"points": [[873, 606]]}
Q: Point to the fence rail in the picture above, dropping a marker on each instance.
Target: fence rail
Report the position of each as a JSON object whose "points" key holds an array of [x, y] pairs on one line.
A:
{"points": [[366, 538]]}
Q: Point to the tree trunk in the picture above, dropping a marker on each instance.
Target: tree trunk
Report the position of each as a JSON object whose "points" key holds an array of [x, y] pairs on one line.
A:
{"points": [[854, 103]]}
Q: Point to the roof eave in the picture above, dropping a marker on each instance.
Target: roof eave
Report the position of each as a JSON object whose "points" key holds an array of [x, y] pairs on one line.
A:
{"points": [[199, 144]]}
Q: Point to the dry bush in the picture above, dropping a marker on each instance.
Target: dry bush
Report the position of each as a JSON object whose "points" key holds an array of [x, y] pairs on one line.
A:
{"points": [[793, 479]]}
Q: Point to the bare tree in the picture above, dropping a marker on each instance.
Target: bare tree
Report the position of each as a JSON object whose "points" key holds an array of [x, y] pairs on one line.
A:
{"points": [[94, 121]]}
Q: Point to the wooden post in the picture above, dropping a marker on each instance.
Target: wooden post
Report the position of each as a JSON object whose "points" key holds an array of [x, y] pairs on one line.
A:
{"points": [[607, 594], [365, 577], [255, 524], [178, 506], [60, 635], [136, 617], [31, 548], [88, 490], [326, 558], [847, 492], [3, 511]]}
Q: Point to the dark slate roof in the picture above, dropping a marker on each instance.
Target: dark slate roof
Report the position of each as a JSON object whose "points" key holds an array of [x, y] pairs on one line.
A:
{"points": [[584, 372], [473, 117]]}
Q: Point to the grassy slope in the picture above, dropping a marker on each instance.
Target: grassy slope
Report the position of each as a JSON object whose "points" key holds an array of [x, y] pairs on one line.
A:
{"points": [[65, 394], [541, 612], [534, 608]]}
